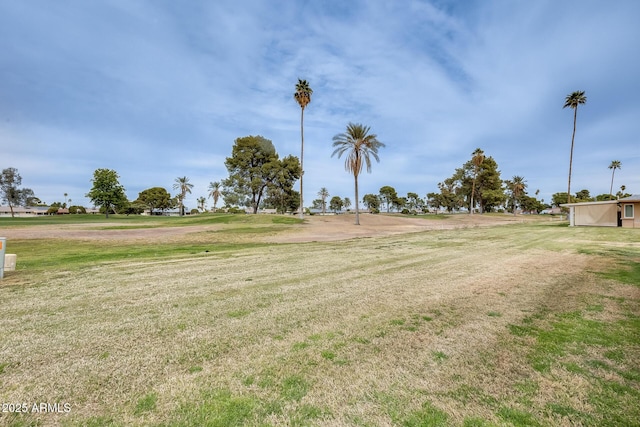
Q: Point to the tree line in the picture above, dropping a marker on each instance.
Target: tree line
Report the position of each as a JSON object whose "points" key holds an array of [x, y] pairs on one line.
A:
{"points": [[259, 178]]}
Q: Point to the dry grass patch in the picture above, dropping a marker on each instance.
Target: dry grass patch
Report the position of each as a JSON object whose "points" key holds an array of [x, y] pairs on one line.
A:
{"points": [[452, 327]]}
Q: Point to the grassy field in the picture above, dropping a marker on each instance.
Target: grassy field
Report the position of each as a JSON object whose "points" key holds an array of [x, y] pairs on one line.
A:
{"points": [[517, 325]]}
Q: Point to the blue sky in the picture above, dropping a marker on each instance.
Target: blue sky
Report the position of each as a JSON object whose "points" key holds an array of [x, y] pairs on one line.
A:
{"points": [[161, 89]]}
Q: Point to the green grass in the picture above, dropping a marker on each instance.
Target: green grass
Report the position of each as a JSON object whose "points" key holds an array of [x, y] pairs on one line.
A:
{"points": [[116, 222]]}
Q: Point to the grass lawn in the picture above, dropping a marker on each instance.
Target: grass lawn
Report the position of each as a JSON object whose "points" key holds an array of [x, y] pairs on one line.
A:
{"points": [[517, 325]]}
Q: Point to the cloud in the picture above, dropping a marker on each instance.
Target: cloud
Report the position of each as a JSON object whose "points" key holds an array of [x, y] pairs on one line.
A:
{"points": [[161, 90]]}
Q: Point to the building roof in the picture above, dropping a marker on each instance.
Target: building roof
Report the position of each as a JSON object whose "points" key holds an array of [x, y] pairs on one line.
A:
{"points": [[604, 202], [634, 198]]}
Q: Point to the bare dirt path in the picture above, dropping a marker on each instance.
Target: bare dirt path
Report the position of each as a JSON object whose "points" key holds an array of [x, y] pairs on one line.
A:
{"points": [[315, 228], [342, 227]]}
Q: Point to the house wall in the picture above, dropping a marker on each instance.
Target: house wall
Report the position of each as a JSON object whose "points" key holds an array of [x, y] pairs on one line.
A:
{"points": [[596, 215], [632, 222]]}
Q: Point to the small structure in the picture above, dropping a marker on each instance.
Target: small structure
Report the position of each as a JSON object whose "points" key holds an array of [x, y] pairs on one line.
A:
{"points": [[609, 213], [630, 211]]}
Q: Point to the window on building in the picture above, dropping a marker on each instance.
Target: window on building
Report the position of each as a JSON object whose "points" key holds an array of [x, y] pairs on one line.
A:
{"points": [[628, 211]]}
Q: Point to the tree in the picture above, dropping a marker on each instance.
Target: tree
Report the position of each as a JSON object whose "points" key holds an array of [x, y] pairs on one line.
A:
{"points": [[107, 191], [517, 185], [347, 203], [372, 202], [615, 164], [10, 193], [448, 197], [360, 146], [583, 196], [323, 194], [183, 185], [388, 194], [214, 192], [335, 204], [155, 198], [202, 203], [477, 160], [572, 101], [413, 201], [303, 97], [254, 166]]}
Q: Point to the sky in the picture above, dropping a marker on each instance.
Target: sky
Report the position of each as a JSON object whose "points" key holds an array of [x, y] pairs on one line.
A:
{"points": [[160, 89]]}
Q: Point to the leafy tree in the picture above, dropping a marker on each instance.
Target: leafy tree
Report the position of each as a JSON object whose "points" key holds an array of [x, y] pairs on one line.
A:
{"points": [[155, 198], [347, 203], [572, 101], [183, 185], [317, 204], [399, 203], [77, 210], [214, 192], [531, 204], [323, 194], [388, 194], [583, 196], [254, 166], [558, 198], [360, 146], [335, 204], [477, 160], [615, 164], [413, 201], [372, 202], [448, 197], [107, 191], [303, 98], [10, 193]]}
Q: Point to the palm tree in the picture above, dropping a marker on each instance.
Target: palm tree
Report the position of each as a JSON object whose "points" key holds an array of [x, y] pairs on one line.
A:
{"points": [[572, 101], [614, 165], [303, 97], [347, 203], [517, 186], [185, 187], [201, 202], [323, 194], [360, 145], [477, 159], [214, 191]]}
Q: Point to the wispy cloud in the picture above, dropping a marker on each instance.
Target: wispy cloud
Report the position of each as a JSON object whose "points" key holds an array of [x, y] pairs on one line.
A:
{"points": [[158, 90]]}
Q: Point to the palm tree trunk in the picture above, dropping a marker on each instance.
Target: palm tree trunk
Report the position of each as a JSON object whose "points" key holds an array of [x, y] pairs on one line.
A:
{"points": [[611, 188], [301, 160], [357, 201], [473, 190], [575, 117]]}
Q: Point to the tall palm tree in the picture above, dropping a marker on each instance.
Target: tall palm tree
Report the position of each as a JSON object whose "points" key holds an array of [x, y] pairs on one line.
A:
{"points": [[182, 184], [572, 101], [323, 194], [477, 159], [517, 186], [360, 145], [303, 97], [614, 165], [214, 192]]}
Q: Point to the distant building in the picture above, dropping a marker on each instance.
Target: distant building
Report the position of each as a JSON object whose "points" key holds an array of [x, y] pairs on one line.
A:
{"points": [[20, 211], [609, 213]]}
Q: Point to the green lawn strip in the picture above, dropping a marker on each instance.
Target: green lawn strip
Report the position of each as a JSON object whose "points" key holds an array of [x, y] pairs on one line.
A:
{"points": [[116, 222], [54, 254], [571, 336]]}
